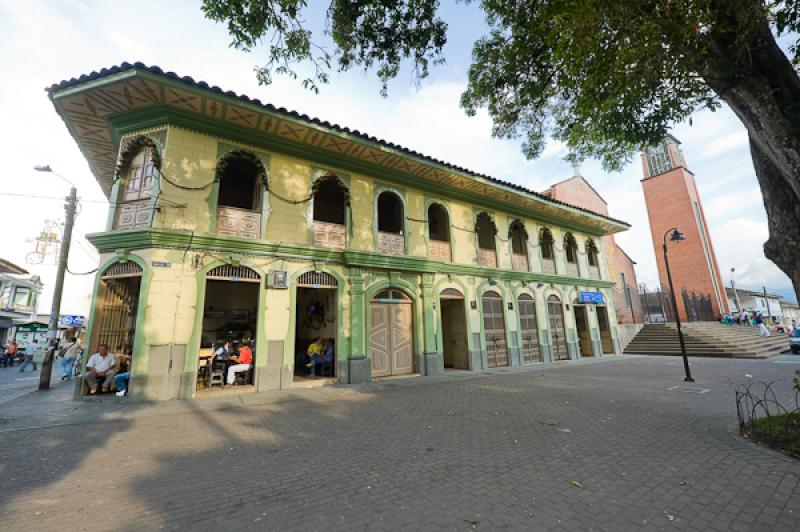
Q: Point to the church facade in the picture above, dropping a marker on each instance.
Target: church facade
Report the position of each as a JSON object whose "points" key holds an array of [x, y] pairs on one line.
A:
{"points": [[232, 220]]}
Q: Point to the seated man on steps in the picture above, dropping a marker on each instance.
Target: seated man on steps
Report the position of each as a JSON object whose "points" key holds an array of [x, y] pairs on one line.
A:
{"points": [[242, 362], [100, 368]]}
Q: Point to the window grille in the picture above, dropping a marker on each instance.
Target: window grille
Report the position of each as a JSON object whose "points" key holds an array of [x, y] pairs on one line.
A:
{"points": [[317, 280], [121, 270], [230, 272]]}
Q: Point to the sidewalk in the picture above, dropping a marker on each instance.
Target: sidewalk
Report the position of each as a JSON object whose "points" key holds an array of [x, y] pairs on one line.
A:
{"points": [[56, 406]]}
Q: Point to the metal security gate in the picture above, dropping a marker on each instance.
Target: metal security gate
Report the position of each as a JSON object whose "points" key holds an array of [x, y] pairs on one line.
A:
{"points": [[494, 330], [390, 334], [118, 305], [557, 332], [528, 328]]}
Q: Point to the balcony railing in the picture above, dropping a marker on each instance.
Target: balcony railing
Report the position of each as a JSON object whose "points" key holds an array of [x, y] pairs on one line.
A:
{"points": [[238, 222], [572, 269], [439, 250], [328, 235], [549, 266], [519, 262], [391, 243], [133, 214], [487, 258], [594, 272]]}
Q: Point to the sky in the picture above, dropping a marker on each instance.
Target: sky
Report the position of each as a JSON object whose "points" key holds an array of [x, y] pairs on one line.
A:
{"points": [[45, 41]]}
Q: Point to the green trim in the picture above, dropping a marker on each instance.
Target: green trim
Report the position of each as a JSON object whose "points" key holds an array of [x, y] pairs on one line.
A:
{"points": [[163, 114], [174, 239], [409, 288]]}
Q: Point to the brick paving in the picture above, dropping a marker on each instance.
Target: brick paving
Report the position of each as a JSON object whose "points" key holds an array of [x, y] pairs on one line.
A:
{"points": [[604, 446]]}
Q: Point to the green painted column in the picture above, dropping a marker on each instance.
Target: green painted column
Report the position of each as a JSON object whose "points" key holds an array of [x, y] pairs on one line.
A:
{"points": [[432, 361], [358, 364]]}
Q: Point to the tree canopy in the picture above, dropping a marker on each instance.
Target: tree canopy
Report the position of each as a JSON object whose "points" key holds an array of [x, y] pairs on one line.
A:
{"points": [[607, 78]]}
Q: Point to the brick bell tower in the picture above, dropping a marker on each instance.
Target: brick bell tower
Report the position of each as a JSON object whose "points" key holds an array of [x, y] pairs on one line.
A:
{"points": [[673, 201]]}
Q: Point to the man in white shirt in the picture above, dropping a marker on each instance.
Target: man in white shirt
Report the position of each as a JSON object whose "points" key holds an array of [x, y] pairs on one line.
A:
{"points": [[101, 366]]}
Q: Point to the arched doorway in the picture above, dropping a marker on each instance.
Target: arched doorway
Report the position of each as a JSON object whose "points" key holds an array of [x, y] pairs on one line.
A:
{"points": [[316, 317], [558, 334], [117, 309], [494, 330], [582, 327], [391, 346], [454, 329], [230, 314], [526, 306]]}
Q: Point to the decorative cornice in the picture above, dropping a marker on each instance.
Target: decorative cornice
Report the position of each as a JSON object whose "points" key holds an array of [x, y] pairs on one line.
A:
{"points": [[166, 239]]}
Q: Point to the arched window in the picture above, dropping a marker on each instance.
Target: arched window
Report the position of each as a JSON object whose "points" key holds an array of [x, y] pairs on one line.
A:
{"points": [[329, 214], [519, 246], [571, 251], [486, 230], [241, 177], [548, 253], [137, 167], [594, 259], [438, 232], [390, 224], [329, 201]]}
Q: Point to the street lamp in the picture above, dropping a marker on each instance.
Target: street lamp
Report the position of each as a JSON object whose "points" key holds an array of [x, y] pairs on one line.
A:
{"points": [[676, 236], [55, 309]]}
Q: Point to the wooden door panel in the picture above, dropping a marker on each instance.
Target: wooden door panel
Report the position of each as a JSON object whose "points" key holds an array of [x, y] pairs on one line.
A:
{"points": [[494, 332], [402, 358], [528, 330], [557, 331], [379, 339]]}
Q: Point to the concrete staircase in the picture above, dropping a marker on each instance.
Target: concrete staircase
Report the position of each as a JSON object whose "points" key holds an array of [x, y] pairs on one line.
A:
{"points": [[707, 339]]}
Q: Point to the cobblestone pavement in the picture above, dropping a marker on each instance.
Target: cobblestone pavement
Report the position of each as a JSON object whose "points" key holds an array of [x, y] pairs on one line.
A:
{"points": [[604, 446]]}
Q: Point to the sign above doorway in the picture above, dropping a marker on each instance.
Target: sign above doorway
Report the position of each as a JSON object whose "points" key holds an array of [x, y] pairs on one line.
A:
{"points": [[590, 297]]}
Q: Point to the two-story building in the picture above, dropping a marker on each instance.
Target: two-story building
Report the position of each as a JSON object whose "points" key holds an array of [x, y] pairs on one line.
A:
{"points": [[19, 295], [233, 219]]}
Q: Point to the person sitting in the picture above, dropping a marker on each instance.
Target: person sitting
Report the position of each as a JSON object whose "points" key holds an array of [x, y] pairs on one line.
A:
{"points": [[121, 379], [225, 352], [242, 361], [313, 354], [326, 357], [100, 367]]}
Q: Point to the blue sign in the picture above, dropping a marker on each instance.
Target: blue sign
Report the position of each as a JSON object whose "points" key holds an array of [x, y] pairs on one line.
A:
{"points": [[72, 321], [590, 297]]}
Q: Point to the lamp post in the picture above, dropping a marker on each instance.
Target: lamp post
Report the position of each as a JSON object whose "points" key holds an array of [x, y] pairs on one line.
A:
{"points": [[676, 236], [55, 310]]}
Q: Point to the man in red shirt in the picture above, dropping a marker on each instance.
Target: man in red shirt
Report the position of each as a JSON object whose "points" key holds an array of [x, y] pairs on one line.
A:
{"points": [[11, 353], [243, 361]]}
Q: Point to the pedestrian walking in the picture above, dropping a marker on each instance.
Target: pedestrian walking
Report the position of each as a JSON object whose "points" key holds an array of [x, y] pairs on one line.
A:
{"points": [[762, 327], [30, 352]]}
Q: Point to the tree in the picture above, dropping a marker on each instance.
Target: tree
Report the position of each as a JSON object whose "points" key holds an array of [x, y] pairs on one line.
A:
{"points": [[605, 77]]}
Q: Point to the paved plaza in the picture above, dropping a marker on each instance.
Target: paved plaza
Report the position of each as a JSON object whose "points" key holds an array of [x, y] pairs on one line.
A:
{"points": [[609, 445]]}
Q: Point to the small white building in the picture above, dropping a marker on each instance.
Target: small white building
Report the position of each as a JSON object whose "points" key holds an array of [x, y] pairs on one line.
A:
{"points": [[791, 311], [19, 296], [769, 304]]}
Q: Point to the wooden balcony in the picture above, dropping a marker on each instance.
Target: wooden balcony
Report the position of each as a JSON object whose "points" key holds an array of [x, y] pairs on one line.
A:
{"points": [[439, 250], [238, 222], [594, 272], [487, 258], [133, 214], [549, 266], [519, 262], [572, 269], [328, 235], [391, 243]]}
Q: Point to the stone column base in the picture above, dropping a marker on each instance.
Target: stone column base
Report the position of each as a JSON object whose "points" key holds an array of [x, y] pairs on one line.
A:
{"points": [[434, 364], [359, 369]]}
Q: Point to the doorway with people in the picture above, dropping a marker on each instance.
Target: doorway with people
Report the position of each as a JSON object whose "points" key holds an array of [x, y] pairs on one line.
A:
{"points": [[231, 319], [316, 326]]}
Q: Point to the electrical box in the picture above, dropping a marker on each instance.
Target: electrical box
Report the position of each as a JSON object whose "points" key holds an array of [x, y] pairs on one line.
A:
{"points": [[278, 279]]}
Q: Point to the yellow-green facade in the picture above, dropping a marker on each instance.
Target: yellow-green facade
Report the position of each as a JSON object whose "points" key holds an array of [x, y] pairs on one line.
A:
{"points": [[181, 245]]}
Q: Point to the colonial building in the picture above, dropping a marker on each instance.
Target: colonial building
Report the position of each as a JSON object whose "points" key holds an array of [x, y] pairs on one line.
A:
{"points": [[621, 268], [231, 218], [673, 201]]}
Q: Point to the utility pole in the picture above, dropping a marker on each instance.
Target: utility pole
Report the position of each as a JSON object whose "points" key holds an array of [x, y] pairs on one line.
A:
{"points": [[766, 301], [735, 293], [55, 310]]}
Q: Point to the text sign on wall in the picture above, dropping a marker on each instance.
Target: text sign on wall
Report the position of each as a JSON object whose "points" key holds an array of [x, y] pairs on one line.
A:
{"points": [[590, 297], [71, 321]]}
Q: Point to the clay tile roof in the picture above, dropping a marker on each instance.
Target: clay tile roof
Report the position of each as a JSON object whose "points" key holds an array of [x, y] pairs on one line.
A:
{"points": [[123, 67]]}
